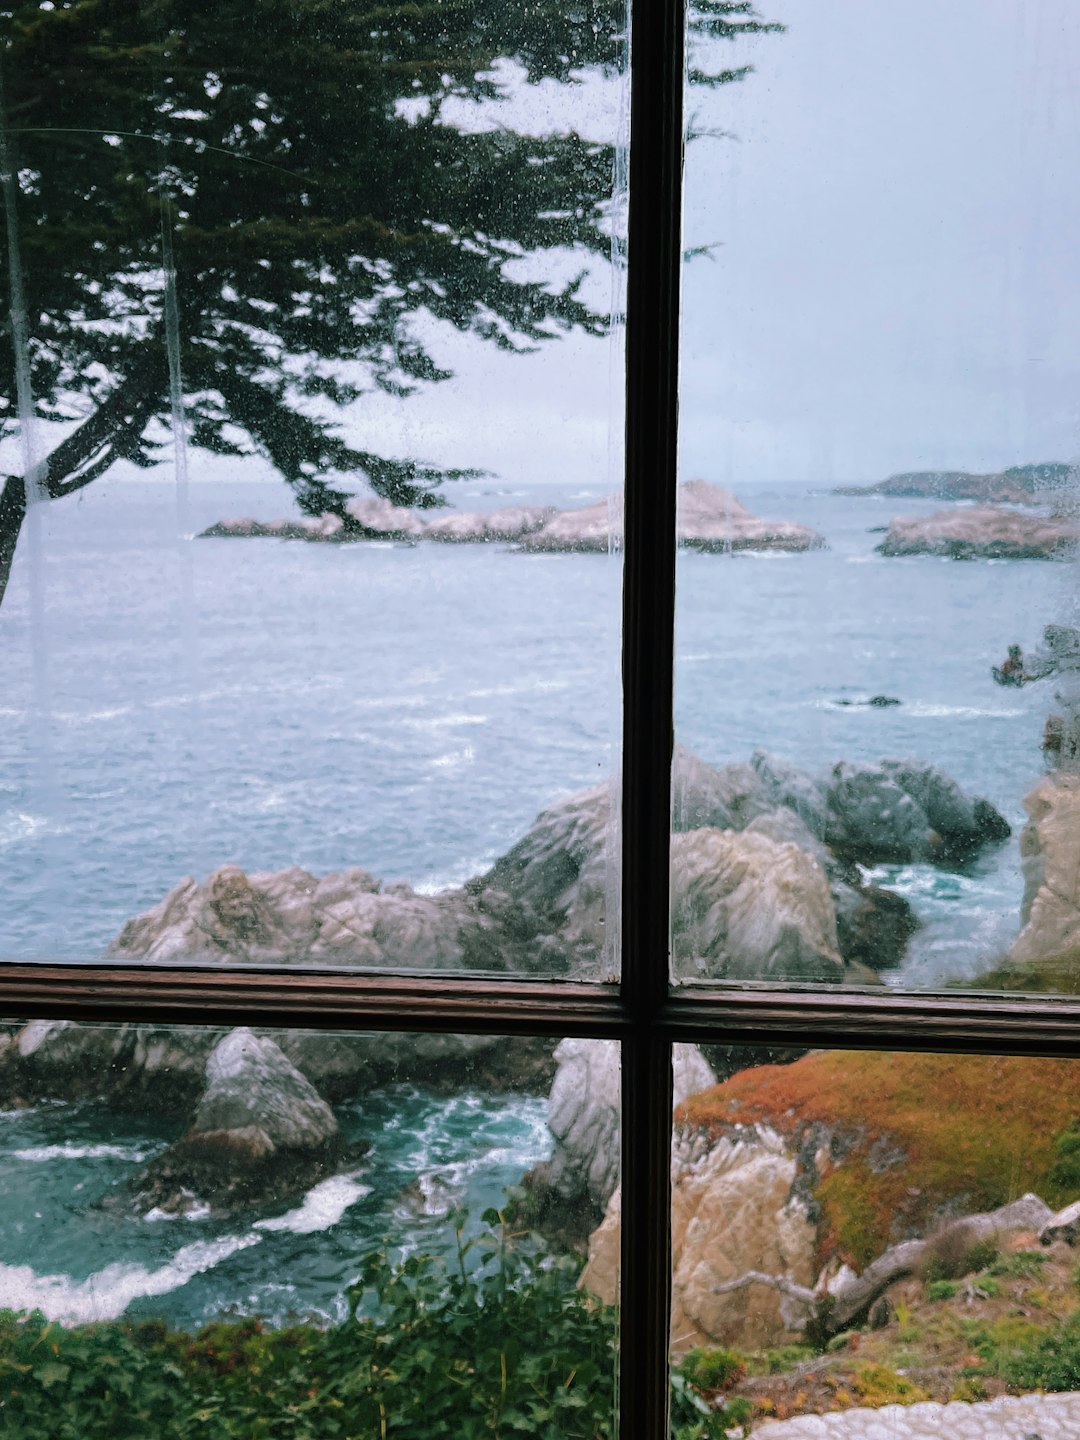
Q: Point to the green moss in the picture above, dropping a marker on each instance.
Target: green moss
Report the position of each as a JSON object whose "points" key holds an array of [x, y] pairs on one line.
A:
{"points": [[941, 1289], [881, 1385]]}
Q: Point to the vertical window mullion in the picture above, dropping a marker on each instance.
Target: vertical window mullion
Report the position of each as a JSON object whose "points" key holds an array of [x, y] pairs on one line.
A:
{"points": [[652, 360]]}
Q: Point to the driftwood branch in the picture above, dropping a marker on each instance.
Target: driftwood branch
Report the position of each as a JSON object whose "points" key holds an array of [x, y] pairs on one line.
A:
{"points": [[832, 1311]]}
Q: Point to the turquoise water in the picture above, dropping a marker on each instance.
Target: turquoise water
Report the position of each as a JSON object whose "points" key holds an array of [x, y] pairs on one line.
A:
{"points": [[410, 710]]}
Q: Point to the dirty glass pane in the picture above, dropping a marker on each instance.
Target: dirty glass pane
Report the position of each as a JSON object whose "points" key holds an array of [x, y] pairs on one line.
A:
{"points": [[310, 418], [878, 673], [225, 1233], [885, 1240]]}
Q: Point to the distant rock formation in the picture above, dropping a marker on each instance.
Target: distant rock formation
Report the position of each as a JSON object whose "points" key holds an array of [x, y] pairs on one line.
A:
{"points": [[506, 525], [708, 518], [983, 533], [1019, 485]]}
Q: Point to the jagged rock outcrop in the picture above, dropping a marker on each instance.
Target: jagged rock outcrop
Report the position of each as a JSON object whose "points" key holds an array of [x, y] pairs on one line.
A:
{"points": [[372, 517], [734, 1207], [584, 1118], [347, 918], [747, 908], [982, 533], [261, 1133], [708, 518], [507, 524], [902, 812]]}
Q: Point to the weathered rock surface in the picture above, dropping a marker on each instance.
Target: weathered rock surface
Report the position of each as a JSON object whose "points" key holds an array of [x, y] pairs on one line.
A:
{"points": [[584, 1118], [261, 1132], [747, 908], [347, 918], [734, 1208], [902, 812], [983, 533], [708, 518], [1050, 855], [1019, 485], [509, 523], [377, 518], [322, 527]]}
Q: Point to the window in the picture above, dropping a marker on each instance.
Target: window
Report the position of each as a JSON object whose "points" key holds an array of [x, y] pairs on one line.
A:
{"points": [[645, 1010]]}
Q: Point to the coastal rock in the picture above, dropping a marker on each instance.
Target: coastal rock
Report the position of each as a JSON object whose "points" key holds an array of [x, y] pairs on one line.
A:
{"points": [[790, 787], [584, 1119], [131, 1065], [982, 533], [746, 908], [903, 811], [1019, 485], [1050, 856], [347, 918], [377, 518], [246, 527], [508, 524], [734, 1208], [260, 1133], [708, 517]]}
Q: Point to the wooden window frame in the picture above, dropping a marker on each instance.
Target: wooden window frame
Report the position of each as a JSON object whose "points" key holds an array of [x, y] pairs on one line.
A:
{"points": [[642, 1011]]}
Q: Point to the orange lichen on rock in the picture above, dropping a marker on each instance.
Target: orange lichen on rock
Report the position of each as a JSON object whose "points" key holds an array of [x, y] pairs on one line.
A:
{"points": [[912, 1139]]}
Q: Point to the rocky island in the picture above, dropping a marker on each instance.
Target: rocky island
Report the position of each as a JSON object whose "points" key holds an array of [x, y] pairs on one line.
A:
{"points": [[985, 532], [709, 518], [1019, 485]]}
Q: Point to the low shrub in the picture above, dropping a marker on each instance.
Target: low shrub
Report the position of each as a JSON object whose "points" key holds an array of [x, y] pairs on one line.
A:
{"points": [[506, 1349]]}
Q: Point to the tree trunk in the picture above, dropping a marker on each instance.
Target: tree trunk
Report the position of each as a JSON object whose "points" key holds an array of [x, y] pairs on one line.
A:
{"points": [[12, 514]]}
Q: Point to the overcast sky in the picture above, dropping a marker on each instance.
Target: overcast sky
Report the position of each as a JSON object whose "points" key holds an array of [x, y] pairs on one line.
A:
{"points": [[895, 283], [895, 280]]}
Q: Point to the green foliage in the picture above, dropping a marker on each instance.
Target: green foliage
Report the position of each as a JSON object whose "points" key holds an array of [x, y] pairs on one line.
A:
{"points": [[941, 1289], [1065, 1171], [502, 1344], [710, 1369], [1026, 1263], [1049, 1362], [316, 180]]}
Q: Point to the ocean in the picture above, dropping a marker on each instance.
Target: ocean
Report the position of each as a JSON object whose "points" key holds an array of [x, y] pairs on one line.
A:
{"points": [[176, 704]]}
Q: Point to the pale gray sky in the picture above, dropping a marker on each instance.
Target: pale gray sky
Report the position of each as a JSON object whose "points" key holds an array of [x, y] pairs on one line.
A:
{"points": [[895, 283]]}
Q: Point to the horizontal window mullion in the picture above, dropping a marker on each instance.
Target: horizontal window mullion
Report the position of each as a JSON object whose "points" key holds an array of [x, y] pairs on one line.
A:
{"points": [[449, 1002], [307, 999], [874, 1019]]}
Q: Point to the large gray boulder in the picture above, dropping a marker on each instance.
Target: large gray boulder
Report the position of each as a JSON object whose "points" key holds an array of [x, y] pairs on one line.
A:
{"points": [[903, 812], [984, 532], [261, 1134], [745, 907]]}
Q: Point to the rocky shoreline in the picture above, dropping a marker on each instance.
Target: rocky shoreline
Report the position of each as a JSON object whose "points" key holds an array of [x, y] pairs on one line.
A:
{"points": [[986, 533]]}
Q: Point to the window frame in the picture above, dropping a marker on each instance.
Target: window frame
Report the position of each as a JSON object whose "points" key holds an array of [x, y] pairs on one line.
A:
{"points": [[644, 1011]]}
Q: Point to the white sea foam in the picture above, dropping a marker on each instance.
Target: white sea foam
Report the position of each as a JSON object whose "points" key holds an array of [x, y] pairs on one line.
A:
{"points": [[925, 711], [454, 759], [70, 1151], [321, 1207], [447, 722], [107, 1293]]}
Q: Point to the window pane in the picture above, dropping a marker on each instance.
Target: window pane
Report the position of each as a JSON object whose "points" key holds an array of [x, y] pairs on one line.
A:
{"points": [[304, 1229], [869, 1231], [890, 796], [360, 270]]}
